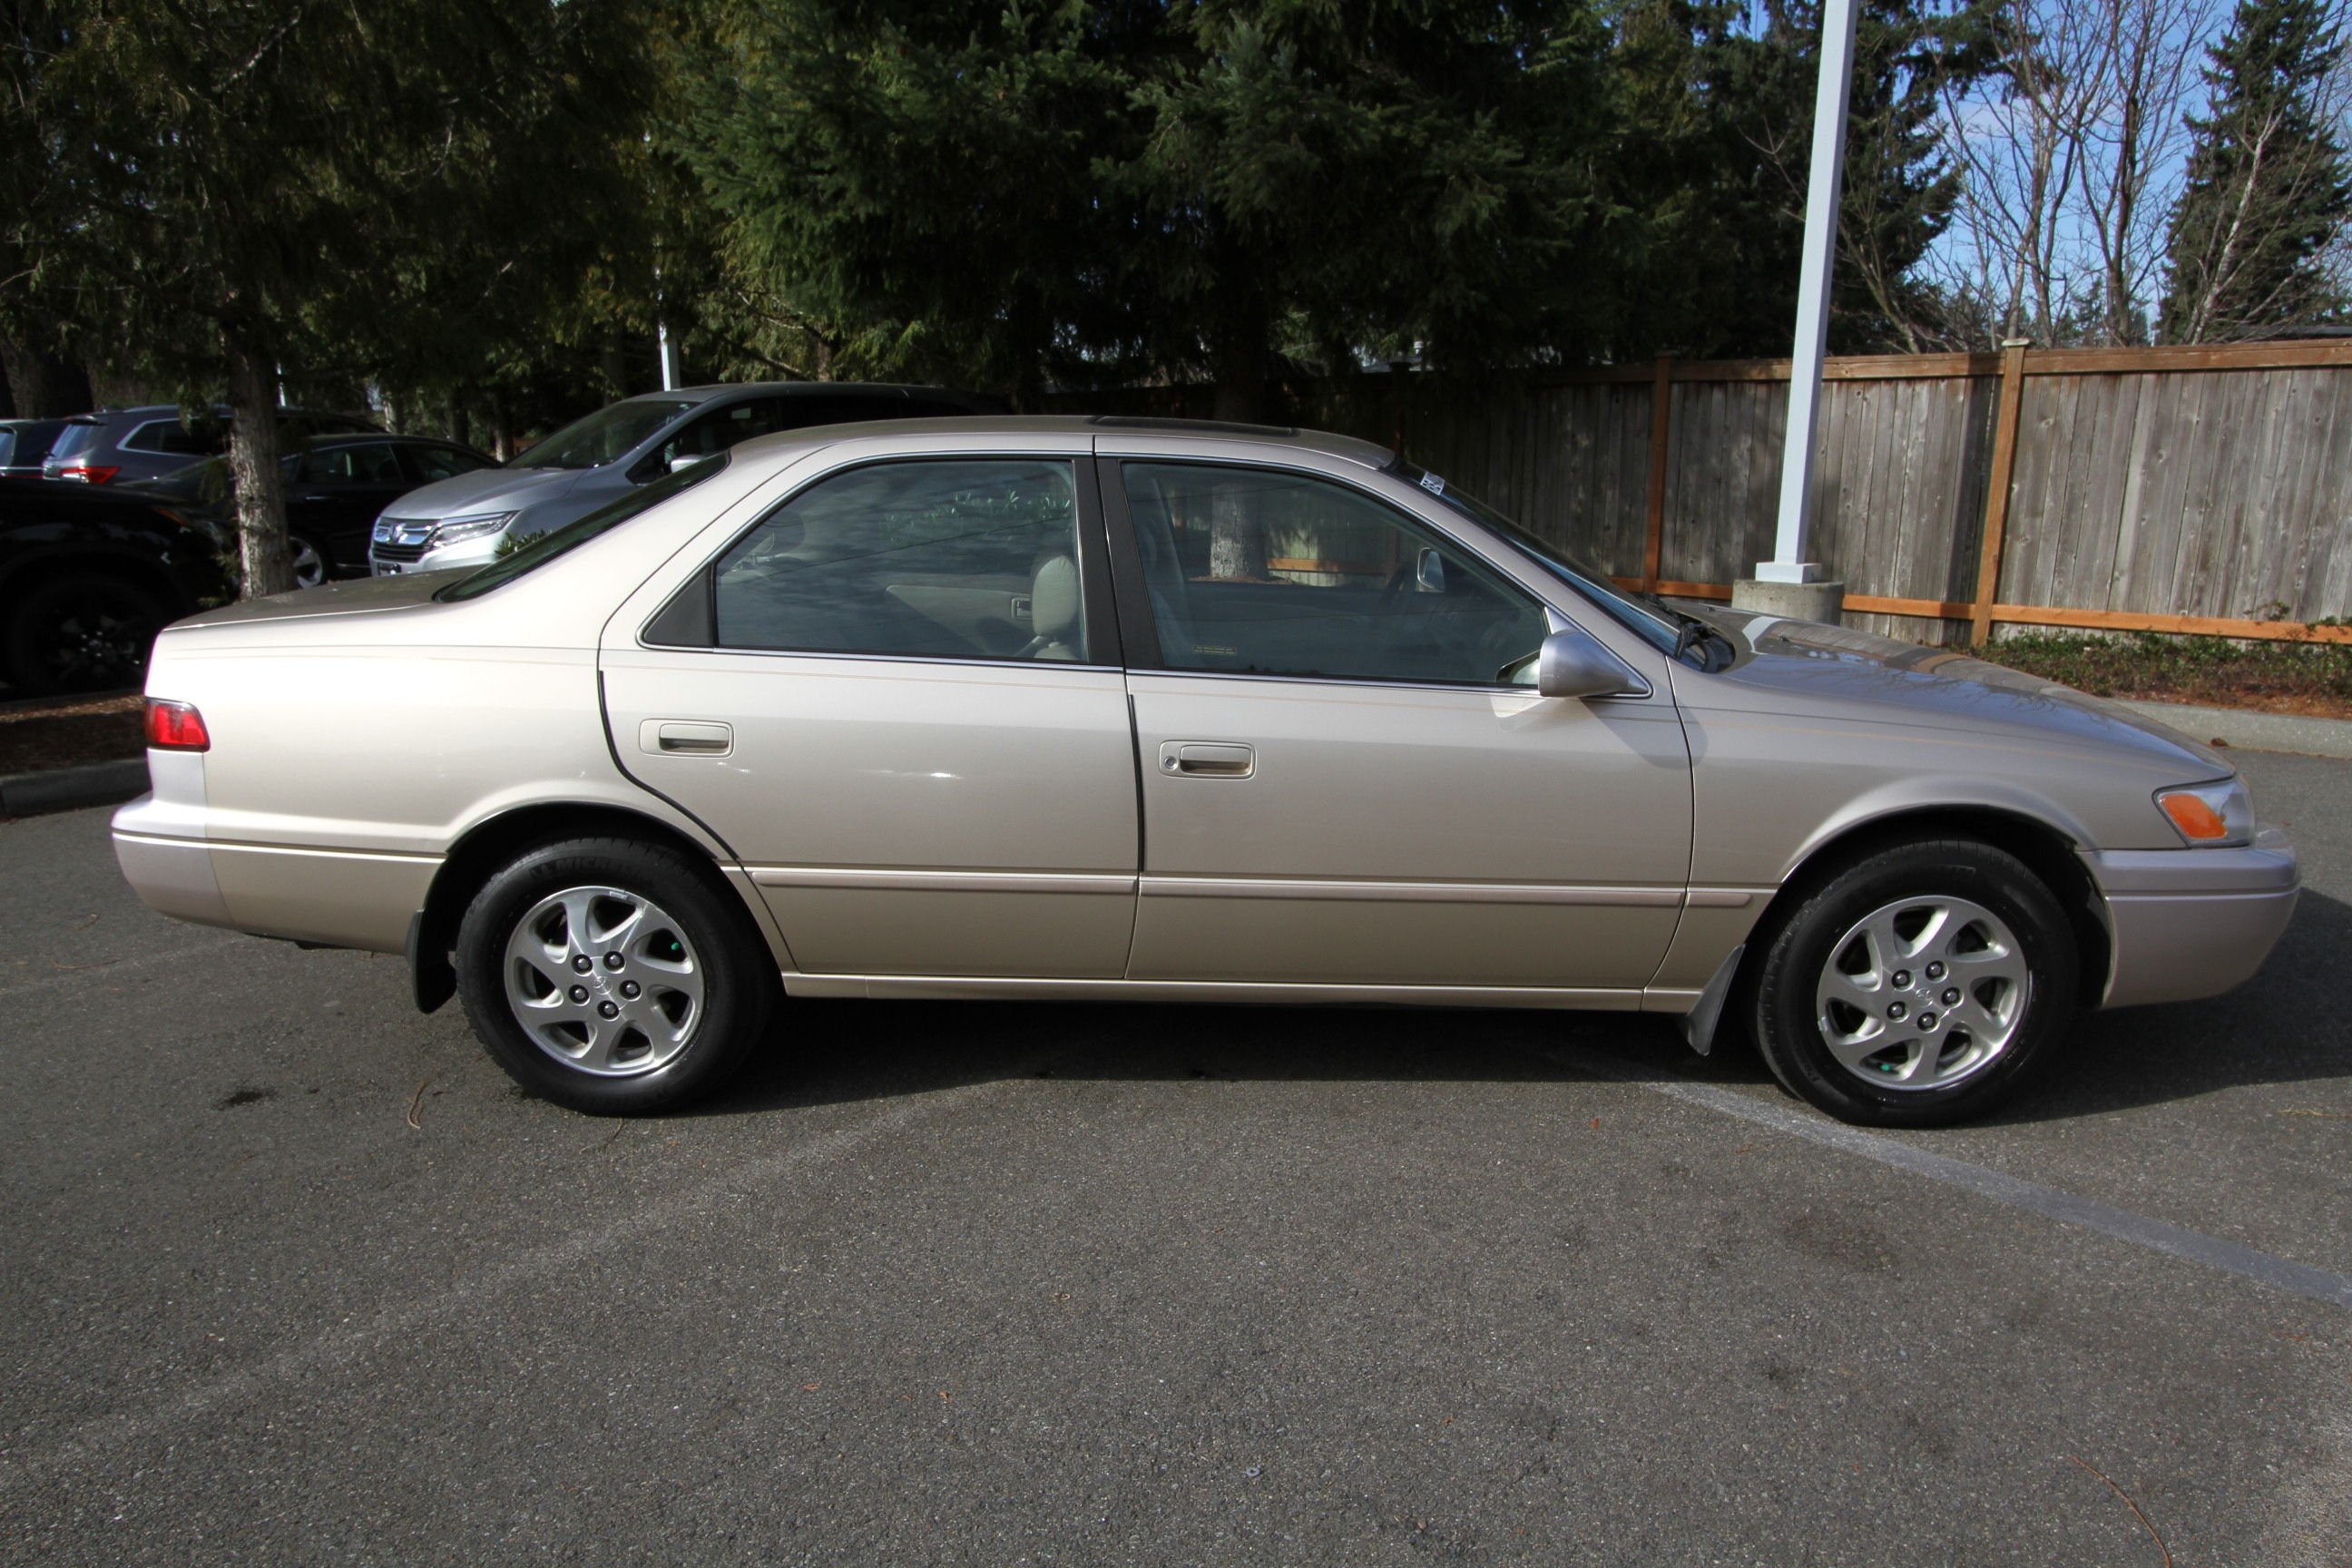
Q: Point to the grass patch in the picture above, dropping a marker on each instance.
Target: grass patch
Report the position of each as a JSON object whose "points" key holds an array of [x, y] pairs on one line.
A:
{"points": [[2278, 678]]}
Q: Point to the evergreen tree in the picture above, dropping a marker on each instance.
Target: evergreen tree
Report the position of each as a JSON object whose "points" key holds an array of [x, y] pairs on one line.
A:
{"points": [[2269, 185], [222, 188], [1722, 95], [1053, 187]]}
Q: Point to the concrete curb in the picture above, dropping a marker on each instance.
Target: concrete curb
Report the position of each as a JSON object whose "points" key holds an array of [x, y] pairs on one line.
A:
{"points": [[2249, 730], [70, 789]]}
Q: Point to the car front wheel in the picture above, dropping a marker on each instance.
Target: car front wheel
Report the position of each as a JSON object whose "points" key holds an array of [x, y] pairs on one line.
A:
{"points": [[309, 563], [609, 976], [1918, 986]]}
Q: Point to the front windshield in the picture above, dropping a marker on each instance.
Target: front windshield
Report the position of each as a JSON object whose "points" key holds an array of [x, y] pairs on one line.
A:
{"points": [[545, 547], [604, 437], [1648, 619]]}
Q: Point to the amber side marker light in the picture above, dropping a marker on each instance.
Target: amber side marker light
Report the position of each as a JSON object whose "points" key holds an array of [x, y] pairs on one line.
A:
{"points": [[175, 727], [2196, 820]]}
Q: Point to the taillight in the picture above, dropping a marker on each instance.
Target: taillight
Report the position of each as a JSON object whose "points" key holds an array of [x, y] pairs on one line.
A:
{"points": [[89, 473], [175, 727]]}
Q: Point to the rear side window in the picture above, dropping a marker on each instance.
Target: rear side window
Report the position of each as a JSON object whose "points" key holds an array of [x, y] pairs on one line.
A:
{"points": [[947, 560], [800, 413], [171, 437]]}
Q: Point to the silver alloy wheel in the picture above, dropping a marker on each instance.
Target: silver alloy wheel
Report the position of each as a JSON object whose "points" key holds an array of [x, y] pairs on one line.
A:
{"points": [[1923, 993], [310, 567], [604, 980]]}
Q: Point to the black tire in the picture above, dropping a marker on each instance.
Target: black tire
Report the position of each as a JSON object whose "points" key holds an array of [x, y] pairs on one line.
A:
{"points": [[1793, 1024], [737, 976], [83, 631]]}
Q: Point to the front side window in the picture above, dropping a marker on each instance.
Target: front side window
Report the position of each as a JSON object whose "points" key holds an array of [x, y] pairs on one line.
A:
{"points": [[1257, 571], [722, 429], [364, 463], [604, 437], [973, 559], [441, 462], [169, 436]]}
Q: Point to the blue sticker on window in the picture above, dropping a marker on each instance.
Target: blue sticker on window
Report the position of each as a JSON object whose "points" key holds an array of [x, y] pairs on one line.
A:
{"points": [[1432, 484]]}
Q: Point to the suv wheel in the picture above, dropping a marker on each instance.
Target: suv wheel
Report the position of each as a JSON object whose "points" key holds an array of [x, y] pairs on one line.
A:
{"points": [[82, 631]]}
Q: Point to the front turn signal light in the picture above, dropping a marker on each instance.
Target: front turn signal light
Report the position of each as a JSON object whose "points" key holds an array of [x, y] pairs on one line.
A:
{"points": [[2210, 816], [176, 727]]}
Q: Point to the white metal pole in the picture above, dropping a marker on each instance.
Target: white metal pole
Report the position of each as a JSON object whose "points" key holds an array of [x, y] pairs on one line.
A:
{"points": [[672, 363], [1789, 563]]}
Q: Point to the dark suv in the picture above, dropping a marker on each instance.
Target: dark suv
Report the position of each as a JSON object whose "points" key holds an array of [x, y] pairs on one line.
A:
{"points": [[130, 446], [24, 443], [89, 577], [334, 488]]}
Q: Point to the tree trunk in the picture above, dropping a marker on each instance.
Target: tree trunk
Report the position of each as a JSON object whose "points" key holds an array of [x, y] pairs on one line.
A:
{"points": [[44, 387], [1237, 346], [1236, 537], [253, 464]]}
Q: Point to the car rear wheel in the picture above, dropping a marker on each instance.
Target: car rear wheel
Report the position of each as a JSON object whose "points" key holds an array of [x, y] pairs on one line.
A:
{"points": [[612, 977], [82, 631], [1919, 985]]}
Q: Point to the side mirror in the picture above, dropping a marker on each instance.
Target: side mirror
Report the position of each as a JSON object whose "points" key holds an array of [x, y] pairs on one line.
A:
{"points": [[687, 460], [1571, 663], [1428, 571]]}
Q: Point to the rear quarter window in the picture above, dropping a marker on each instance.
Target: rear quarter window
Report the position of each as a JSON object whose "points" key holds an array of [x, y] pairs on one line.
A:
{"points": [[77, 439]]}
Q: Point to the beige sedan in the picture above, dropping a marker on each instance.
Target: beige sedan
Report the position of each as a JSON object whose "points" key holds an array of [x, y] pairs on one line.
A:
{"points": [[1068, 708]]}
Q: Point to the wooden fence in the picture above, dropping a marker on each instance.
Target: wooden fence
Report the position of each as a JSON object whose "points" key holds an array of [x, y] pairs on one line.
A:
{"points": [[2202, 490]]}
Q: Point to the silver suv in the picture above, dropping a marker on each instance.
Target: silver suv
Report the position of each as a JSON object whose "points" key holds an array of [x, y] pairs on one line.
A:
{"points": [[462, 521]]}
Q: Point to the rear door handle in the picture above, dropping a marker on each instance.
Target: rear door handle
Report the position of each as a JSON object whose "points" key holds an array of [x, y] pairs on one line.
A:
{"points": [[1207, 759], [684, 738]]}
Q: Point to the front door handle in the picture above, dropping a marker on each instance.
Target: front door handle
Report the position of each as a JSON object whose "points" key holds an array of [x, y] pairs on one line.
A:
{"points": [[684, 738], [1207, 759]]}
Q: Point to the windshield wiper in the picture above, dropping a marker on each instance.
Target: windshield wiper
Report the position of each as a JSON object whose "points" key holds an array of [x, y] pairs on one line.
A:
{"points": [[1696, 631]]}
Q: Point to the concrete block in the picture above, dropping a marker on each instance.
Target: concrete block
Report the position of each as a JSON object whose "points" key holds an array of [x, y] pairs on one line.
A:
{"points": [[1794, 601]]}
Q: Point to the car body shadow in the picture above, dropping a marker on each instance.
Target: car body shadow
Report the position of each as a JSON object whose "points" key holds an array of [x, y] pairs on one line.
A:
{"points": [[2287, 1025], [2292, 1023]]}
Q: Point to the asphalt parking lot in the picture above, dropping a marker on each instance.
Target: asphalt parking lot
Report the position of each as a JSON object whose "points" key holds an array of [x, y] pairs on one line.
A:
{"points": [[290, 1274]]}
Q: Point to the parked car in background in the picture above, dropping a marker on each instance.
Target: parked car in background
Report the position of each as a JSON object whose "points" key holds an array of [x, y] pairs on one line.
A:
{"points": [[1014, 708], [24, 443], [87, 578], [334, 488], [590, 461], [132, 445]]}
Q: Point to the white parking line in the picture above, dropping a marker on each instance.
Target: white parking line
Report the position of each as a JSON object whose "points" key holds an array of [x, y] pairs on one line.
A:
{"points": [[2159, 1235]]}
